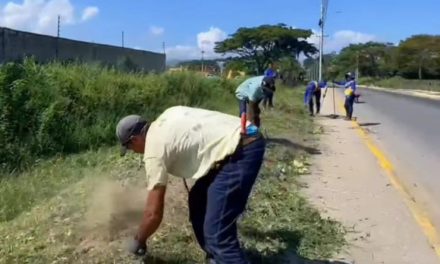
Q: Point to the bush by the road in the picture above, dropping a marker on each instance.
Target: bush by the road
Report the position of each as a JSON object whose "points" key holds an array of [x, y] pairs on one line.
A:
{"points": [[50, 109], [402, 83]]}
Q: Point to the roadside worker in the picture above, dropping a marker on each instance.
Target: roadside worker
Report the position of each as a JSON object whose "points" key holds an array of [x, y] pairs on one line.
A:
{"points": [[269, 93], [314, 90], [270, 71], [206, 146], [249, 94], [349, 92]]}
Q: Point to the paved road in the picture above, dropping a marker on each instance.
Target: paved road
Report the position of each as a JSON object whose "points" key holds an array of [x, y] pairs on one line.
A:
{"points": [[408, 130]]}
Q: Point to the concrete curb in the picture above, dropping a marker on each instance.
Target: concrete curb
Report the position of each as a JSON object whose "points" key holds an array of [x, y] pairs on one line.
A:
{"points": [[417, 93]]}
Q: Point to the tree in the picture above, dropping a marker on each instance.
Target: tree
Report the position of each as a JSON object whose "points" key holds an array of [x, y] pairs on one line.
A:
{"points": [[290, 70], [312, 64], [373, 59], [267, 43], [419, 56]]}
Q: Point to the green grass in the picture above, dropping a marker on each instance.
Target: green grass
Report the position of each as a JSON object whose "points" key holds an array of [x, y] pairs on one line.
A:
{"points": [[44, 210], [51, 109], [401, 83]]}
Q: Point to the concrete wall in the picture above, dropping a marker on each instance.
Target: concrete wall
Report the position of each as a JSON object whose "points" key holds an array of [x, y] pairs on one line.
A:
{"points": [[15, 45]]}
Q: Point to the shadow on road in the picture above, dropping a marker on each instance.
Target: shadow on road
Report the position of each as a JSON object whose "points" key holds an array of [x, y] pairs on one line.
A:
{"points": [[369, 124], [287, 143], [287, 255]]}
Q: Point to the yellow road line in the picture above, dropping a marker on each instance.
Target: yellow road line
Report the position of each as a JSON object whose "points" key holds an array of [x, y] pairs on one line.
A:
{"points": [[419, 214]]}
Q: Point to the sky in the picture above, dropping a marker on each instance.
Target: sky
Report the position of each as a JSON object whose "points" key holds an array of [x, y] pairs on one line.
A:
{"points": [[189, 26]]}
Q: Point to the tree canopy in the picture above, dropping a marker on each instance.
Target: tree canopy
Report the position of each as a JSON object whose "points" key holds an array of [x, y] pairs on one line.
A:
{"points": [[415, 57], [419, 56], [267, 43]]}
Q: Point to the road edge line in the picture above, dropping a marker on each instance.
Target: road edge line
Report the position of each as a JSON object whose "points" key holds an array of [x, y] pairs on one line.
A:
{"points": [[420, 215]]}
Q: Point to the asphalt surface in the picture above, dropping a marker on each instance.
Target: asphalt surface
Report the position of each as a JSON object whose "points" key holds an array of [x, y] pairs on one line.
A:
{"points": [[407, 129]]}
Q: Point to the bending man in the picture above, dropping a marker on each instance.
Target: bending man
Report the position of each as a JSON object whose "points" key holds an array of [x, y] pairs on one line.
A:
{"points": [[206, 146], [249, 94], [314, 90]]}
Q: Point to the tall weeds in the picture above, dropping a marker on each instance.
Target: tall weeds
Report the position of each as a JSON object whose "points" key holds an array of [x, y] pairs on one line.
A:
{"points": [[55, 108]]}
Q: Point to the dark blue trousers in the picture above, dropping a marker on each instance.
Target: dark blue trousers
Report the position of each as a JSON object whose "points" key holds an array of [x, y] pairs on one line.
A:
{"points": [[219, 198], [348, 105]]}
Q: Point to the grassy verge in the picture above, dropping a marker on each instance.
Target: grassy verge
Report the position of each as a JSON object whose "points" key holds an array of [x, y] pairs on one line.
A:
{"points": [[50, 109], [82, 208], [401, 83]]}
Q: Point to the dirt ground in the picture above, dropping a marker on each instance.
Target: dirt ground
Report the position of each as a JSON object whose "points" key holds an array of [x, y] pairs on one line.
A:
{"points": [[348, 184]]}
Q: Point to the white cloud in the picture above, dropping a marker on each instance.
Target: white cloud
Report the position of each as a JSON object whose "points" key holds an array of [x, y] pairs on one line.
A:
{"points": [[38, 15], [89, 13], [205, 41], [341, 39], [157, 31], [182, 52]]}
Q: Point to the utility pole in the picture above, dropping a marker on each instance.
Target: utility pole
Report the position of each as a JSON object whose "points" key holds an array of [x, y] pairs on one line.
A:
{"points": [[321, 42], [57, 49], [203, 52], [58, 27], [123, 39], [164, 53]]}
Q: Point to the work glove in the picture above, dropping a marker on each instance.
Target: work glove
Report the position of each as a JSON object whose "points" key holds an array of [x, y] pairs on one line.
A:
{"points": [[137, 248]]}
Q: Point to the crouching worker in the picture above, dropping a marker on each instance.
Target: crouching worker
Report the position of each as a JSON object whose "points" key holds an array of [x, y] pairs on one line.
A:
{"points": [[314, 90], [249, 94], [206, 146]]}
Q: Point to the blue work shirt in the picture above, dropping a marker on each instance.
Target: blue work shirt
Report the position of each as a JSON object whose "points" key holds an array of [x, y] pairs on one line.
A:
{"points": [[348, 84], [251, 89], [270, 73], [311, 88]]}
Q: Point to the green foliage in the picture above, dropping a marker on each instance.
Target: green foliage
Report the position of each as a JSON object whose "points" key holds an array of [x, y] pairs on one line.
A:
{"points": [[240, 64], [415, 57], [53, 108], [372, 59], [311, 66], [267, 43], [402, 83], [196, 65], [290, 70], [419, 57]]}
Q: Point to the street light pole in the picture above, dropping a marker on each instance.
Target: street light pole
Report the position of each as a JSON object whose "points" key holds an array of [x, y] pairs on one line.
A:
{"points": [[123, 39], [321, 42], [203, 52]]}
